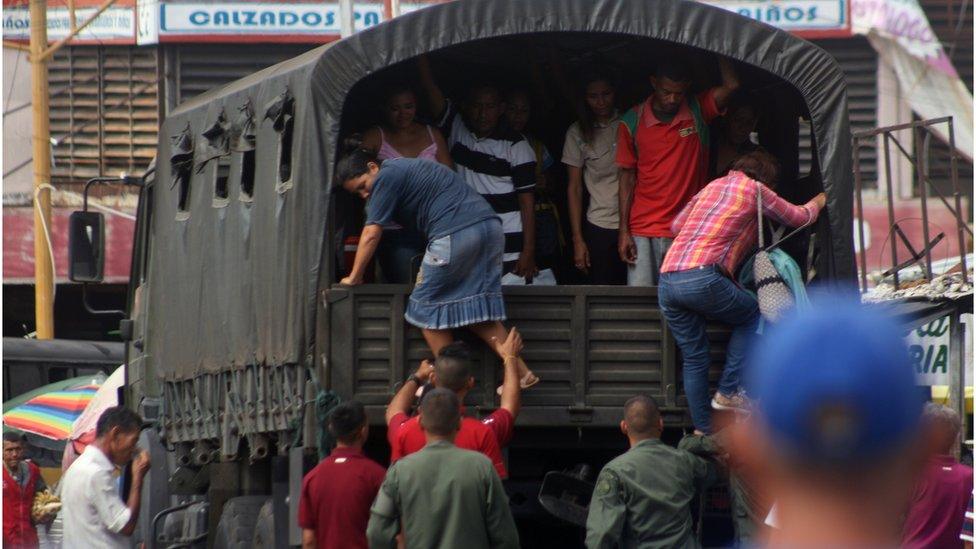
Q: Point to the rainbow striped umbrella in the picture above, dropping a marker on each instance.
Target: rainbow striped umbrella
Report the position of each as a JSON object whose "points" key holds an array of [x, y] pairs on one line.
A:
{"points": [[51, 414]]}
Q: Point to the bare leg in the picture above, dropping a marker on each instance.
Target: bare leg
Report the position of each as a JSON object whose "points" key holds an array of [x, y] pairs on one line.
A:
{"points": [[488, 330], [438, 339]]}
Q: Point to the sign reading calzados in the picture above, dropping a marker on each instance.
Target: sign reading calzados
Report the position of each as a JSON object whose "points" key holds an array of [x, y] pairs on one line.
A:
{"points": [[260, 19]]}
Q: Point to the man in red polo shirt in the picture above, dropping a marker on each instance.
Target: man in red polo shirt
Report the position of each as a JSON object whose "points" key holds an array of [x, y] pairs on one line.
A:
{"points": [[336, 495], [662, 155], [452, 370]]}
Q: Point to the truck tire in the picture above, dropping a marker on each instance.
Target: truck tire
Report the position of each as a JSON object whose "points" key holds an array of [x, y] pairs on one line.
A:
{"points": [[264, 528], [236, 527]]}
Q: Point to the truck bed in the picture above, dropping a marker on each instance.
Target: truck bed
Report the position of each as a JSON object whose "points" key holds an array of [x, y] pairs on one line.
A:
{"points": [[593, 347]]}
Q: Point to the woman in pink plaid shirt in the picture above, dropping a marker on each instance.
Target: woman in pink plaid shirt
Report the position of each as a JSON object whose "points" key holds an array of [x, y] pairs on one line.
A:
{"points": [[714, 232]]}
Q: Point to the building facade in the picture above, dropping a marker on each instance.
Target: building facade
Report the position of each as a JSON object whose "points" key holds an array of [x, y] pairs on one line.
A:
{"points": [[141, 58]]}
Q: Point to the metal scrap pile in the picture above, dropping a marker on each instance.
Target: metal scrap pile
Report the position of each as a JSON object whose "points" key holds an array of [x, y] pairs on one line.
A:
{"points": [[944, 286]]}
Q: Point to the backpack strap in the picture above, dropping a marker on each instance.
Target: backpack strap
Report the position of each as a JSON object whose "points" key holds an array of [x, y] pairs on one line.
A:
{"points": [[630, 119], [700, 126], [634, 114]]}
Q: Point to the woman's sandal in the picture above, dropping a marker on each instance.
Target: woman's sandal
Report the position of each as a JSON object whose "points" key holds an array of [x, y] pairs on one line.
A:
{"points": [[529, 380]]}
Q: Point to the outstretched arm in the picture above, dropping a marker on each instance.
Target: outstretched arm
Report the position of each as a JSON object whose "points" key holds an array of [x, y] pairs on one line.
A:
{"points": [[403, 399], [443, 153], [511, 390], [730, 83], [369, 240], [435, 97]]}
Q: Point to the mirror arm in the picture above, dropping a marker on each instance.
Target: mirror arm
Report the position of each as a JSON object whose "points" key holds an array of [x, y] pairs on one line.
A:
{"points": [[91, 310], [125, 180]]}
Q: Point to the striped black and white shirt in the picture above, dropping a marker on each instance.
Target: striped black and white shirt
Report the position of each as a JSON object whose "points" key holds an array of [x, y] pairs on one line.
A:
{"points": [[499, 167]]}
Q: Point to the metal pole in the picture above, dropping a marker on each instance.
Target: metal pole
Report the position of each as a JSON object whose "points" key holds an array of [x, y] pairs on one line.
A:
{"points": [[954, 174], [860, 214], [923, 198], [891, 205], [43, 270], [394, 8], [957, 368], [346, 18]]}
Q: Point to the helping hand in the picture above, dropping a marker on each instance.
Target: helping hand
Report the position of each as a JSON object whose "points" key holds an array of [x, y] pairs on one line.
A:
{"points": [[512, 346], [423, 372]]}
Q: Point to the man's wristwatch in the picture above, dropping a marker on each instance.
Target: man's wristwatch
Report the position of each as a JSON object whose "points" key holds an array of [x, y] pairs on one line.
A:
{"points": [[415, 379]]}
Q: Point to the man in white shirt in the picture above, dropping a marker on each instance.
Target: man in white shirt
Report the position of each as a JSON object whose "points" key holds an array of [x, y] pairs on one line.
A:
{"points": [[93, 512]]}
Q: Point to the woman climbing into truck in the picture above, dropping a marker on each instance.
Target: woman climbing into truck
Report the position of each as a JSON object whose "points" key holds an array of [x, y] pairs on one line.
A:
{"points": [[459, 284], [715, 232], [400, 135]]}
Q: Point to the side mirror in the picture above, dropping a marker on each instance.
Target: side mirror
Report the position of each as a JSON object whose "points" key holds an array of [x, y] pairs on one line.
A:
{"points": [[86, 247]]}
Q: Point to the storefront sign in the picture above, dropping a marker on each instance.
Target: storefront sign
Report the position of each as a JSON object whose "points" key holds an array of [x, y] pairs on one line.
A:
{"points": [[116, 25], [906, 23], [928, 347], [244, 21], [807, 18]]}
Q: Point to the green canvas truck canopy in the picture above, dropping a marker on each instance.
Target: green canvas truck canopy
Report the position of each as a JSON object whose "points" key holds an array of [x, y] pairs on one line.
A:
{"points": [[233, 281]]}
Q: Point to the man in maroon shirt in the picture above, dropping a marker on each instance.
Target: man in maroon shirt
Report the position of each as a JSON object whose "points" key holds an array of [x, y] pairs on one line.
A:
{"points": [[336, 495], [935, 515], [453, 371]]}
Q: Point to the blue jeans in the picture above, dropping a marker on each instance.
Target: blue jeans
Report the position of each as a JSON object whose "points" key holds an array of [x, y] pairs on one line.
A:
{"points": [[688, 300], [650, 255]]}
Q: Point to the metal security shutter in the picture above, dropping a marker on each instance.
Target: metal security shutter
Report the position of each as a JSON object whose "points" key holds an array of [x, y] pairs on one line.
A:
{"points": [[104, 111], [200, 67], [859, 62]]}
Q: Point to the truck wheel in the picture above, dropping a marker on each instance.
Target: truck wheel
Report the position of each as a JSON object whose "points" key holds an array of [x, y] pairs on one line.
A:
{"points": [[264, 529], [236, 527]]}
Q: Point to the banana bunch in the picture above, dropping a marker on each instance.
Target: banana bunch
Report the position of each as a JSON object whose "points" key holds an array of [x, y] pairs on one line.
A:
{"points": [[46, 504]]}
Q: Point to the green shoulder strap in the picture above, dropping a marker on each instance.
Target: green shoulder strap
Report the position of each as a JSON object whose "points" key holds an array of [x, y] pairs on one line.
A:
{"points": [[700, 126], [630, 119], [633, 114]]}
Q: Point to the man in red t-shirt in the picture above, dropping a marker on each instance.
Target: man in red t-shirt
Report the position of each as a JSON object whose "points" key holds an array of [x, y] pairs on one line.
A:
{"points": [[452, 370], [336, 495], [662, 155]]}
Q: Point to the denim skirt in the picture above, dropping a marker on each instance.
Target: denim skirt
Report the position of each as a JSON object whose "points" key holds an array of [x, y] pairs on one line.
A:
{"points": [[460, 279]]}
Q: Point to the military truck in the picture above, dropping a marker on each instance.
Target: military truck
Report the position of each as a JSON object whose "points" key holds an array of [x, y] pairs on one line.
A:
{"points": [[236, 324]]}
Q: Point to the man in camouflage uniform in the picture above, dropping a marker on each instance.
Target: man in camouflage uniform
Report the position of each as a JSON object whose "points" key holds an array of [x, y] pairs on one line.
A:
{"points": [[642, 497]]}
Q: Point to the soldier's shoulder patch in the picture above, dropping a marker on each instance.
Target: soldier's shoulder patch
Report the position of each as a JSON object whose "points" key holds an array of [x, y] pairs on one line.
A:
{"points": [[608, 483]]}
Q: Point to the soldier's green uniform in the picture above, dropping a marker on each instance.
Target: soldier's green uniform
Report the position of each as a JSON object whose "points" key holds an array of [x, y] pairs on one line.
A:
{"points": [[748, 507], [446, 498], [642, 498]]}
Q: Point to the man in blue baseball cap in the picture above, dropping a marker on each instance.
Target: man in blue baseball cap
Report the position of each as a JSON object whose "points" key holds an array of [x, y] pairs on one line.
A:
{"points": [[836, 418]]}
